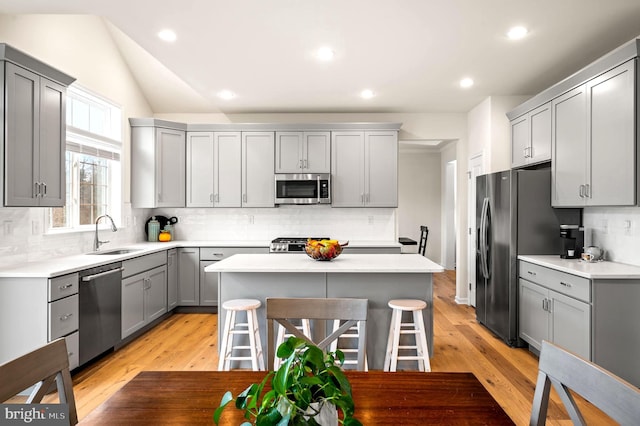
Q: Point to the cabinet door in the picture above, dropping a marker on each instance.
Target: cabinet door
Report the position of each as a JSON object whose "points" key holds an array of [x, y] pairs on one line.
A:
{"points": [[519, 141], [52, 143], [189, 282], [288, 155], [347, 169], [199, 169], [155, 297], [133, 304], [534, 319], [612, 138], [21, 131], [570, 324], [258, 181], [317, 152], [381, 169], [569, 124], [208, 285], [227, 169], [172, 278], [170, 167], [540, 134]]}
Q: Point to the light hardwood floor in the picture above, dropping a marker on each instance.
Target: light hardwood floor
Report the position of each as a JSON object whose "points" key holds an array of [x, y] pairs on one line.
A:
{"points": [[188, 342]]}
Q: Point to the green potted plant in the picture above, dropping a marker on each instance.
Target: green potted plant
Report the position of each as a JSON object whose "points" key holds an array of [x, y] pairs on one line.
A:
{"points": [[308, 387]]}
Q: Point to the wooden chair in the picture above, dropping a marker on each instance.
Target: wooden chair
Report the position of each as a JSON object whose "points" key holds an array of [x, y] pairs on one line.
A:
{"points": [[422, 245], [351, 311], [40, 368], [566, 371]]}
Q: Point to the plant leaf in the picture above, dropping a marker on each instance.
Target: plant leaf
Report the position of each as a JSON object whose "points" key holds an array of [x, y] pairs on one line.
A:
{"points": [[343, 382], [226, 398]]}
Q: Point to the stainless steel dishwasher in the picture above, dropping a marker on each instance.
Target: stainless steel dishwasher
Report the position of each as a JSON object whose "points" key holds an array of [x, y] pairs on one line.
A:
{"points": [[99, 292]]}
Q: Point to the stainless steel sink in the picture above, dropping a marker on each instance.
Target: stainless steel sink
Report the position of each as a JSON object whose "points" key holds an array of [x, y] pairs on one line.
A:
{"points": [[114, 252]]}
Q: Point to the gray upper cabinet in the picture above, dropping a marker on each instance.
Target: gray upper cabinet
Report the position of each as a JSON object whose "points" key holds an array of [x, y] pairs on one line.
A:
{"points": [[594, 141], [227, 163], [33, 136], [364, 167], [199, 169], [531, 137], [303, 152], [157, 165], [258, 187]]}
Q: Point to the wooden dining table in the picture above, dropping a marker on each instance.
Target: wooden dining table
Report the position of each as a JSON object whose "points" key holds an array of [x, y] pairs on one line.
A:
{"points": [[400, 398]]}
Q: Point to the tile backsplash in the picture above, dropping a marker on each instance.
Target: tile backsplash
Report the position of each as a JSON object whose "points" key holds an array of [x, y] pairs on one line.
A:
{"points": [[616, 230], [286, 221]]}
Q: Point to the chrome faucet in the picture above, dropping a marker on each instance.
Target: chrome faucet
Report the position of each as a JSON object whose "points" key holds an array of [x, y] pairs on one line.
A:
{"points": [[96, 240]]}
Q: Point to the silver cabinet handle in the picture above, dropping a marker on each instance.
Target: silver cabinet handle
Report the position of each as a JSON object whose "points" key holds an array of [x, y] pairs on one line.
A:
{"points": [[65, 317], [587, 191], [301, 166], [565, 284], [581, 191], [211, 197], [101, 274], [44, 193], [531, 273], [305, 164], [64, 287], [244, 198]]}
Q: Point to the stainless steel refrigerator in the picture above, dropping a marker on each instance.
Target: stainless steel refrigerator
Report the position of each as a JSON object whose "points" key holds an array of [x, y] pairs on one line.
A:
{"points": [[513, 216]]}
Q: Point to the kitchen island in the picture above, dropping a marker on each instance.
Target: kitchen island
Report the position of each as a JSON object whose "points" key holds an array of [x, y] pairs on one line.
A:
{"points": [[377, 277]]}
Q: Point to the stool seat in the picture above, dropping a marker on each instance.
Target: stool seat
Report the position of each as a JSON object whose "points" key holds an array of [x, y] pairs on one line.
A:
{"points": [[232, 328], [407, 304], [415, 328], [241, 304]]}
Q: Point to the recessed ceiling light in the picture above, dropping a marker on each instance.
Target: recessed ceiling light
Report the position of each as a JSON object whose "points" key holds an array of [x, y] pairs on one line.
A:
{"points": [[517, 33], [226, 94], [465, 83], [367, 94], [167, 35], [325, 54]]}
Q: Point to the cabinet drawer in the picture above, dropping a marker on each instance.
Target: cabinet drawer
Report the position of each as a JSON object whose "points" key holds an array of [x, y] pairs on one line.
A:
{"points": [[63, 317], [219, 253], [568, 284], [143, 263], [63, 286], [73, 346]]}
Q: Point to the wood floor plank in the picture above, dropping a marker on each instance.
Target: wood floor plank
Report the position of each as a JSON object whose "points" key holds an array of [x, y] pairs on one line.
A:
{"points": [[189, 342]]}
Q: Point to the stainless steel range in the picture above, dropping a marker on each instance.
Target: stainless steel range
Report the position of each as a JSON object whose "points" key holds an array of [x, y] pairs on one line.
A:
{"points": [[291, 244]]}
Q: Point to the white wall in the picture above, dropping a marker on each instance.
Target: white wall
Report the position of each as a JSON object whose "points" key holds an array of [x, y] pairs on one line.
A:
{"points": [[420, 197], [81, 47]]}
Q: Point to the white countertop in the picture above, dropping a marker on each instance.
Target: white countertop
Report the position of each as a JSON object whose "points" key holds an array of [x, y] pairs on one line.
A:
{"points": [[359, 263], [590, 270], [69, 264]]}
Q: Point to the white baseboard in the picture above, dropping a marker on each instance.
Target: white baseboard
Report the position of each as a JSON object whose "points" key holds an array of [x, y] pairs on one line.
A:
{"points": [[462, 301]]}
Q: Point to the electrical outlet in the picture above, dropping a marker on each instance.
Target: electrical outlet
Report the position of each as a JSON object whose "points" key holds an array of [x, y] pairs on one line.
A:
{"points": [[8, 227]]}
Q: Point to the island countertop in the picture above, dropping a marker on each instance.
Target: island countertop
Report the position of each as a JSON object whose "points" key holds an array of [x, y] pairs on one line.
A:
{"points": [[345, 263]]}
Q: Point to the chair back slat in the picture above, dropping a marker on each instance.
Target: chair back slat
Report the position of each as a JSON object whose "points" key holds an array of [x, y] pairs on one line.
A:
{"points": [[566, 371], [281, 310], [40, 367]]}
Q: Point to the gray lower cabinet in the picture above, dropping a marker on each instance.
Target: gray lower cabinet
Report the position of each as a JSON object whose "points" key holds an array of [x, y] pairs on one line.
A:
{"points": [[554, 306], [594, 141], [172, 279], [196, 287], [364, 169], [144, 291], [33, 124], [52, 307]]}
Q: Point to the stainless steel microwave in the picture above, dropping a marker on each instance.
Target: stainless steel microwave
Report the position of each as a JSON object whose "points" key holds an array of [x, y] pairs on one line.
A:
{"points": [[303, 188]]}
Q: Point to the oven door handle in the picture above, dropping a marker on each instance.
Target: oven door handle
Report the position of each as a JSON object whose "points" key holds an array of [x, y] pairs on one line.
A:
{"points": [[101, 274], [318, 187]]}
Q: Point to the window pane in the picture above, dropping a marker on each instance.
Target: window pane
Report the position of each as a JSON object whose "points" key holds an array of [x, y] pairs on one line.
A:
{"points": [[93, 188], [97, 120], [61, 216], [80, 113]]}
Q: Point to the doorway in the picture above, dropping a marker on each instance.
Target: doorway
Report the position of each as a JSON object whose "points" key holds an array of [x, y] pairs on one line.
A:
{"points": [[476, 168]]}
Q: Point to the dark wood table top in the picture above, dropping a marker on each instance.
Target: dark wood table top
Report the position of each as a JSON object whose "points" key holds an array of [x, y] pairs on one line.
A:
{"points": [[402, 398]]}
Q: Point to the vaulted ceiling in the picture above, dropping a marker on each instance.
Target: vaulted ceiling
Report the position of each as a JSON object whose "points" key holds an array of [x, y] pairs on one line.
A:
{"points": [[411, 53]]}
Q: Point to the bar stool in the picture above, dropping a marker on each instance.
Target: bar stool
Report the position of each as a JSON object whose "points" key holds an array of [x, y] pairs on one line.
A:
{"points": [[352, 333], [304, 328], [416, 328], [250, 328]]}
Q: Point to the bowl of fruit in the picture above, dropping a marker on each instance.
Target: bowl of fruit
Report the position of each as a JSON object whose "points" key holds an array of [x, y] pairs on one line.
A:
{"points": [[323, 249]]}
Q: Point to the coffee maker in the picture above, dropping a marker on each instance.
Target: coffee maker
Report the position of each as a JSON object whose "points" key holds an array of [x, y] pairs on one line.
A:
{"points": [[572, 237]]}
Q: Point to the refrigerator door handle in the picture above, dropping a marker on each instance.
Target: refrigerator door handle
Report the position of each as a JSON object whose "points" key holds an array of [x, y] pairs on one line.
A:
{"points": [[484, 248]]}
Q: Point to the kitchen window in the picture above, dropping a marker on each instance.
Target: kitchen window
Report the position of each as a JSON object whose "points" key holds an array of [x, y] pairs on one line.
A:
{"points": [[93, 174]]}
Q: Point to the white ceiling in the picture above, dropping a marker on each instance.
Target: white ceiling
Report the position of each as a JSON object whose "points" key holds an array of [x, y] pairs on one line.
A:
{"points": [[411, 53]]}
